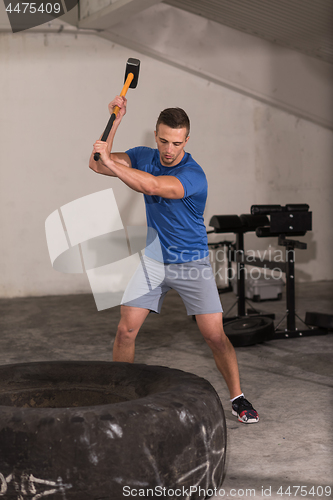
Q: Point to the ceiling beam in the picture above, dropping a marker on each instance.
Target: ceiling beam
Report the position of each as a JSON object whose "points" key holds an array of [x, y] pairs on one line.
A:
{"points": [[116, 12], [283, 78]]}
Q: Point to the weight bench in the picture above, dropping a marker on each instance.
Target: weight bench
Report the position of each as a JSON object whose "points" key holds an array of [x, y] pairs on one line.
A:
{"points": [[291, 220], [268, 221], [242, 329]]}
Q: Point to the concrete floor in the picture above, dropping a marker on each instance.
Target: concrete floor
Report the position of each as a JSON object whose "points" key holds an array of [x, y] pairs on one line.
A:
{"points": [[288, 381]]}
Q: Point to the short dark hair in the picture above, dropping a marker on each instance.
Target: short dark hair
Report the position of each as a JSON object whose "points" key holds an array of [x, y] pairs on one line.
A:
{"points": [[174, 118]]}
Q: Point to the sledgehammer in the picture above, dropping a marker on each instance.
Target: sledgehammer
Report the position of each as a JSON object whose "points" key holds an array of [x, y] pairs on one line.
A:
{"points": [[131, 81]]}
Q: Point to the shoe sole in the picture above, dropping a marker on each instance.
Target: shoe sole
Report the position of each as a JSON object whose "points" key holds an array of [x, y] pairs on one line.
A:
{"points": [[250, 421]]}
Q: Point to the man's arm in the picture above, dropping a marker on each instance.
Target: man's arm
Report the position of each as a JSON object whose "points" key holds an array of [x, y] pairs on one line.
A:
{"points": [[122, 158], [166, 186]]}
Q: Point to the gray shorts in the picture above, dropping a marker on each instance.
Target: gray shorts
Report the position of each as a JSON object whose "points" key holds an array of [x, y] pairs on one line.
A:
{"points": [[194, 281]]}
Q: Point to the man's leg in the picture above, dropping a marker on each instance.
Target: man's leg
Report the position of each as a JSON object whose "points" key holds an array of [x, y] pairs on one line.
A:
{"points": [[128, 328], [211, 327]]}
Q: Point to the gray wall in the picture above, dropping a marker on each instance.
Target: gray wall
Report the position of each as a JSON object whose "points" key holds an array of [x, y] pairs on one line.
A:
{"points": [[55, 91]]}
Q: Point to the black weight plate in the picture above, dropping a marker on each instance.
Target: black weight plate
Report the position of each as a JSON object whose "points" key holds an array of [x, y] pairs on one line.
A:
{"points": [[320, 320], [249, 331]]}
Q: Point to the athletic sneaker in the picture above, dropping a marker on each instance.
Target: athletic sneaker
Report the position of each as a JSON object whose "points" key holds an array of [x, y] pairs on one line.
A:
{"points": [[245, 412]]}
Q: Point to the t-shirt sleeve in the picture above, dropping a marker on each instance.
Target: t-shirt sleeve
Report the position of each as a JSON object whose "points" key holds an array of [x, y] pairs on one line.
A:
{"points": [[193, 180], [133, 157], [140, 157]]}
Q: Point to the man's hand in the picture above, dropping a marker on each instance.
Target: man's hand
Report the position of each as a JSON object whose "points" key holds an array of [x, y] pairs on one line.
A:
{"points": [[103, 149], [121, 102], [106, 160]]}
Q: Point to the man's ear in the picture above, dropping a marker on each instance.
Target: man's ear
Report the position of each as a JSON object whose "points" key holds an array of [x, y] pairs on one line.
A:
{"points": [[187, 138], [155, 134]]}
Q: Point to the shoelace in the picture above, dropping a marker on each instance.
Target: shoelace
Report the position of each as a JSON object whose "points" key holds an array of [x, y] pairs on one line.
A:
{"points": [[243, 403]]}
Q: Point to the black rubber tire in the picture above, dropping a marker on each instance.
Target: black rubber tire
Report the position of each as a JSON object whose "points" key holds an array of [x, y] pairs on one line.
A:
{"points": [[249, 330], [134, 426]]}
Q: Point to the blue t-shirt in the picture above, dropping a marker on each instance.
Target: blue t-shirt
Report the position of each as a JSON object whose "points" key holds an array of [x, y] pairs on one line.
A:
{"points": [[179, 223]]}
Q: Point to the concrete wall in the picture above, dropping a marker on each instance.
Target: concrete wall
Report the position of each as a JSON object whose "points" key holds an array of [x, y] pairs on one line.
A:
{"points": [[55, 91]]}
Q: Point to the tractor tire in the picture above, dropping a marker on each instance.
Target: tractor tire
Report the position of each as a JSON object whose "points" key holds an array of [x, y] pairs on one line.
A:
{"points": [[73, 430]]}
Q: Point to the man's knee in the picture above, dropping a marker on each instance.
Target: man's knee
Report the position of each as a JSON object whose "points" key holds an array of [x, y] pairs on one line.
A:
{"points": [[126, 333], [218, 341]]}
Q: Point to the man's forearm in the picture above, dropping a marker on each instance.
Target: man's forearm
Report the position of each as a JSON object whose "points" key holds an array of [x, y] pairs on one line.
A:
{"points": [[111, 135], [139, 181], [166, 186], [99, 166]]}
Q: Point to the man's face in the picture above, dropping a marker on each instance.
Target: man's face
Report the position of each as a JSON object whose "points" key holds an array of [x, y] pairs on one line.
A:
{"points": [[170, 143]]}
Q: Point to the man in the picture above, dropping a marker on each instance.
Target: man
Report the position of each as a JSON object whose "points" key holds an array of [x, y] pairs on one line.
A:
{"points": [[175, 192]]}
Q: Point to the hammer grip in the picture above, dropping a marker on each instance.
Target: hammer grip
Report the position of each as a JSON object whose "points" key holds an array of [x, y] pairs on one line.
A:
{"points": [[107, 130]]}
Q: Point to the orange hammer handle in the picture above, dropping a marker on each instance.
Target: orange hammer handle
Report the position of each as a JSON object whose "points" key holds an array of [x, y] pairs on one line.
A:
{"points": [[105, 135], [126, 86]]}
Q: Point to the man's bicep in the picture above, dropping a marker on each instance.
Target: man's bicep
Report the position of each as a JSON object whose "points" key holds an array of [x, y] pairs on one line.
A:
{"points": [[169, 186], [122, 158]]}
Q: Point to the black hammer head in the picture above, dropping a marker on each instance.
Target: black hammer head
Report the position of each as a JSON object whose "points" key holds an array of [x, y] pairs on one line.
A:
{"points": [[132, 66]]}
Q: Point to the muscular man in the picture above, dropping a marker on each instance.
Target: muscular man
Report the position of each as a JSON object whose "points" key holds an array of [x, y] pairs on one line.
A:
{"points": [[175, 192]]}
